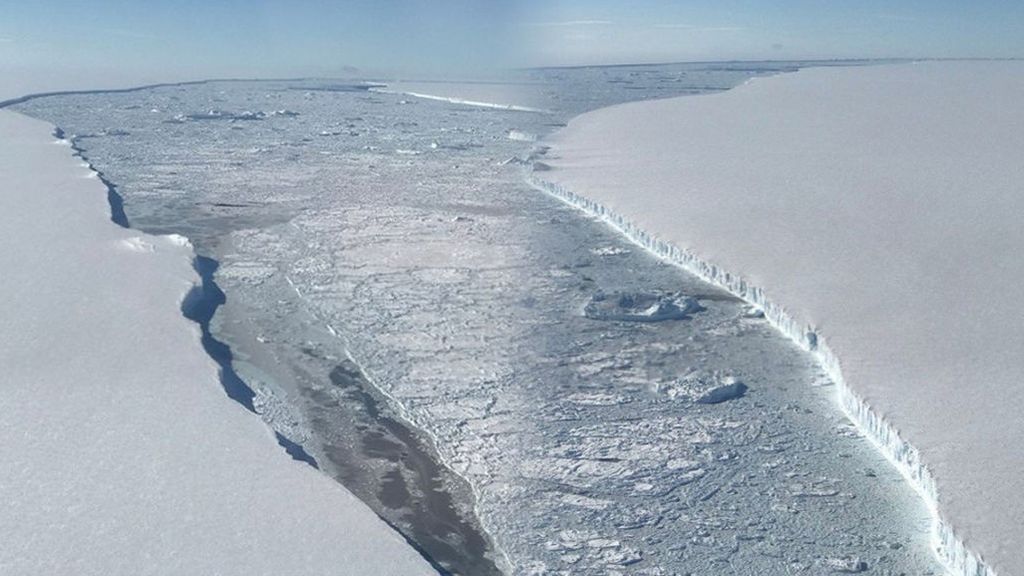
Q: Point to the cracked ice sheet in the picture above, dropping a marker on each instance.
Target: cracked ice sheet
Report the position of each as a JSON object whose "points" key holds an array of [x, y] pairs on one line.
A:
{"points": [[122, 453], [881, 205]]}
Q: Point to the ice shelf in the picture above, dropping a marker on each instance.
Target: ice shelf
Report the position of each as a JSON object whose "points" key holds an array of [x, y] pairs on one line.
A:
{"points": [[122, 454], [874, 215]]}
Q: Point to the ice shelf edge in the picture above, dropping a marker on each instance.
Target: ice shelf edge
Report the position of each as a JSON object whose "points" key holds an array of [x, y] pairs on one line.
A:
{"points": [[462, 101], [948, 547]]}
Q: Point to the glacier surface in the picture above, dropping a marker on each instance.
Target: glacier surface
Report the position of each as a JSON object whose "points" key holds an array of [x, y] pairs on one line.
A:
{"points": [[874, 215]]}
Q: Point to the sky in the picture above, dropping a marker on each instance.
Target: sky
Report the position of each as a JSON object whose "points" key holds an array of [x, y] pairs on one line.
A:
{"points": [[242, 38], [278, 38], [606, 31]]}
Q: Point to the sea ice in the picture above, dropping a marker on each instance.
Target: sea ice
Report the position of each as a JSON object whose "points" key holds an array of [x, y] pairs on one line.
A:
{"points": [[639, 307]]}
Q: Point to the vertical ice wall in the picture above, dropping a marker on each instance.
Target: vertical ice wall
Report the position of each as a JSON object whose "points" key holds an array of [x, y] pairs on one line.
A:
{"points": [[950, 548], [879, 204]]}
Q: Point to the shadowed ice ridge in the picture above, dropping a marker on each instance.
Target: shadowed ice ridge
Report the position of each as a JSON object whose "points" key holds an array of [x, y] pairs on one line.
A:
{"points": [[949, 548]]}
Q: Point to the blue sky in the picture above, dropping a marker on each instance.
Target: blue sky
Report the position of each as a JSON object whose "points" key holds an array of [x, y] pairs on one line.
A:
{"points": [[605, 31], [319, 37], [256, 37]]}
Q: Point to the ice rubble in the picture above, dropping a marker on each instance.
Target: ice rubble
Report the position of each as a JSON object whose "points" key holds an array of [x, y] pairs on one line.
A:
{"points": [[639, 307], [520, 136], [122, 453], [874, 215]]}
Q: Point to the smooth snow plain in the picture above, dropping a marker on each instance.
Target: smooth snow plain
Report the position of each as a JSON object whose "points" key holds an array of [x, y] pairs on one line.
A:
{"points": [[875, 213], [122, 454]]}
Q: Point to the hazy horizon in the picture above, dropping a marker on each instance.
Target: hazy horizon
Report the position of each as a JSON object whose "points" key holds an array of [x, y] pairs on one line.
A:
{"points": [[166, 40]]}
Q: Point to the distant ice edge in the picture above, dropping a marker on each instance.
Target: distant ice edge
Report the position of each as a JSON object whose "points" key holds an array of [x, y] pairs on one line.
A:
{"points": [[948, 547], [463, 101]]}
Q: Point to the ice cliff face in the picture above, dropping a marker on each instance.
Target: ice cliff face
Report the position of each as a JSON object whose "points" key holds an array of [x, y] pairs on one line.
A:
{"points": [[880, 205], [905, 457]]}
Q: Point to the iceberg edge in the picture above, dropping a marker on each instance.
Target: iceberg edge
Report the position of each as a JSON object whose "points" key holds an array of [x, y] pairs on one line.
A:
{"points": [[949, 548]]}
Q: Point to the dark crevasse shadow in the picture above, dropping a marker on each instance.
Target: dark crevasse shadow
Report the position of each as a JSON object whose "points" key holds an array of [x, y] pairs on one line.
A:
{"points": [[199, 305], [295, 450], [117, 215]]}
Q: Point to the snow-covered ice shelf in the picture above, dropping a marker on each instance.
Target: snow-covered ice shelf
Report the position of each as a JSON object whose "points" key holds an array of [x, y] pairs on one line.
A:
{"points": [[121, 453], [875, 215]]}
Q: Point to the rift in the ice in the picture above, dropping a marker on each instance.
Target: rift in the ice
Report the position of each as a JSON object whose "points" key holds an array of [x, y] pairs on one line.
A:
{"points": [[244, 197], [199, 305], [904, 456], [295, 450], [117, 215]]}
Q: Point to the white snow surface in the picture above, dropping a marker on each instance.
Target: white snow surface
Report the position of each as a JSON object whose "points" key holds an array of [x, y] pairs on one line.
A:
{"points": [[122, 454], [879, 208]]}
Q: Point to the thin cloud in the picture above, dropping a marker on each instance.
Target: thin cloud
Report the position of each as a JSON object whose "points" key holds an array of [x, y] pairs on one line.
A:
{"points": [[6, 40], [570, 23], [693, 28], [134, 34], [892, 17]]}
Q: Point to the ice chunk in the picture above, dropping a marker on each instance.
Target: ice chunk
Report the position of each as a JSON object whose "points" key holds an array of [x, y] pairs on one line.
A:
{"points": [[847, 565], [520, 136], [724, 393], [639, 307]]}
